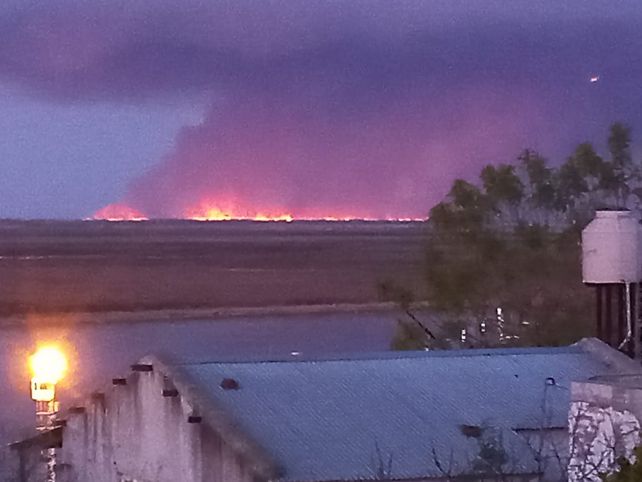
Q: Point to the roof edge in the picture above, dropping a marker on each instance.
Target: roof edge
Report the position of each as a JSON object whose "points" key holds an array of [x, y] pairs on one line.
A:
{"points": [[51, 438], [609, 355], [218, 418], [390, 355]]}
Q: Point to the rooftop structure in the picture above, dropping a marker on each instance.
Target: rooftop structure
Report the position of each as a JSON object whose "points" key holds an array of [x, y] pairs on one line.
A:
{"points": [[612, 264], [406, 416]]}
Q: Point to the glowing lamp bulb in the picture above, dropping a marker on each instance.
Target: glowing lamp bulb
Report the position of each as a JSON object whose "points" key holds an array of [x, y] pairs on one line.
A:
{"points": [[48, 365]]}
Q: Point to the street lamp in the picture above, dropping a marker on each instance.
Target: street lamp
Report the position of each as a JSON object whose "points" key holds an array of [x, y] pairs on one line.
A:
{"points": [[48, 366]]}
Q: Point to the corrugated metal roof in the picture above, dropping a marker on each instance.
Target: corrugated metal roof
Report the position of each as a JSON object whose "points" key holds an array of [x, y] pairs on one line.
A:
{"points": [[337, 419]]}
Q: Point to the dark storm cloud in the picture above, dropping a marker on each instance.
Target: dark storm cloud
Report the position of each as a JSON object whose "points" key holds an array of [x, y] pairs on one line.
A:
{"points": [[373, 106], [129, 49]]}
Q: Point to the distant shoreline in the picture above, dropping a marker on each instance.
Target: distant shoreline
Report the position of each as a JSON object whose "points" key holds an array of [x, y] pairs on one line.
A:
{"points": [[209, 314]]}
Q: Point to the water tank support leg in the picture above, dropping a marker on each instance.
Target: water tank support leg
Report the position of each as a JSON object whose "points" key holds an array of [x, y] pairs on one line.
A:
{"points": [[608, 318], [637, 322], [599, 311], [619, 330], [627, 344]]}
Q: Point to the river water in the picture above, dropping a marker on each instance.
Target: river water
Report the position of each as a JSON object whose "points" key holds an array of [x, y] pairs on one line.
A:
{"points": [[99, 352]]}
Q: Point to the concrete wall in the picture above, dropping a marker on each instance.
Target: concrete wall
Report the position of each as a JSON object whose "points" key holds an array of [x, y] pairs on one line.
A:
{"points": [[604, 424], [133, 433], [30, 469]]}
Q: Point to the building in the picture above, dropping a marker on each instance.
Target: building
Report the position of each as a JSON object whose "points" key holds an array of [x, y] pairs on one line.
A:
{"points": [[491, 414], [605, 423]]}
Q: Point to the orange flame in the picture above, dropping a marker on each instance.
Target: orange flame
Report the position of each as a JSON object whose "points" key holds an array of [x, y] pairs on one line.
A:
{"points": [[206, 211], [119, 212]]}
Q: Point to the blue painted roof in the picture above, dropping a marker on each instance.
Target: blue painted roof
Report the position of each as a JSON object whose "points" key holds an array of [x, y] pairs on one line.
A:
{"points": [[336, 419]]}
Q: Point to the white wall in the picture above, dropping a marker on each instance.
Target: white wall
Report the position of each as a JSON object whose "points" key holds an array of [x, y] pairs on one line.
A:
{"points": [[134, 433], [604, 424]]}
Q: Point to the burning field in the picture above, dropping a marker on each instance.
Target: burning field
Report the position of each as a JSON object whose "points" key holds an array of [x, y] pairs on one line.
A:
{"points": [[95, 266], [208, 210]]}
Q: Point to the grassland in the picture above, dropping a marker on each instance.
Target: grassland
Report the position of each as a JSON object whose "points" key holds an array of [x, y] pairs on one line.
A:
{"points": [[53, 267]]}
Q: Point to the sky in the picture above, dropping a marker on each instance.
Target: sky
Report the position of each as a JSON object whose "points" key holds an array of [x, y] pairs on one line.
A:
{"points": [[361, 108]]}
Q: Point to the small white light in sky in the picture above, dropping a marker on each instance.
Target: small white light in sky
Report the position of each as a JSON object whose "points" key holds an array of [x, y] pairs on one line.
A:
{"points": [[295, 353], [594, 79]]}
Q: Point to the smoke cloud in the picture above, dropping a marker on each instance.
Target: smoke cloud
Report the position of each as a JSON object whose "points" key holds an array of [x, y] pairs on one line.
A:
{"points": [[346, 109]]}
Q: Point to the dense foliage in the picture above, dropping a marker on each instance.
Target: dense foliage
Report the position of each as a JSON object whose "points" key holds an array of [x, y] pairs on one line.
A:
{"points": [[512, 241]]}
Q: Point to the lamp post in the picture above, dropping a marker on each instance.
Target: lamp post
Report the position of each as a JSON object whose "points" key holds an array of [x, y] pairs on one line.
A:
{"points": [[48, 366]]}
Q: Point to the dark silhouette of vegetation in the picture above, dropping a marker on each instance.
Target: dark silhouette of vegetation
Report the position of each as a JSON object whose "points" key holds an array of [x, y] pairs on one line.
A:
{"points": [[512, 241], [627, 471]]}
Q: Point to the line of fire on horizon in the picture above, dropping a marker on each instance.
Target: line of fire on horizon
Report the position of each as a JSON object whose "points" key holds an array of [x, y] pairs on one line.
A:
{"points": [[220, 212]]}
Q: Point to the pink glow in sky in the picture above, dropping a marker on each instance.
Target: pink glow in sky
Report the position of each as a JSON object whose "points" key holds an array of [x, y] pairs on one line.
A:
{"points": [[312, 109]]}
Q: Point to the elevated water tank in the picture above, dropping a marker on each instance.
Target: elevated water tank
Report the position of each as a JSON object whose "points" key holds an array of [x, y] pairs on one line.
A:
{"points": [[611, 250]]}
